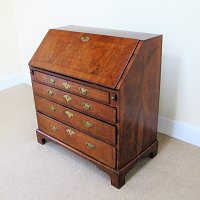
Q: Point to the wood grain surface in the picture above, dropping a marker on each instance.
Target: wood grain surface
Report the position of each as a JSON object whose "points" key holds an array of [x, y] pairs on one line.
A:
{"points": [[98, 150], [96, 109], [77, 120], [72, 87], [101, 60]]}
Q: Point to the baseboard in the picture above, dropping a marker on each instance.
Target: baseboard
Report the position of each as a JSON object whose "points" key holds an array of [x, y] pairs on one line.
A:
{"points": [[179, 130], [176, 129], [14, 79]]}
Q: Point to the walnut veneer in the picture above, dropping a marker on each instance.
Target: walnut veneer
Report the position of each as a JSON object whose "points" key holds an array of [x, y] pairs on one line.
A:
{"points": [[96, 93]]}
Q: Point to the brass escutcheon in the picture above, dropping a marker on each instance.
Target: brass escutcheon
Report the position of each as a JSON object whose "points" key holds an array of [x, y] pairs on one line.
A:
{"points": [[86, 106], [89, 145], [67, 97], [54, 128], [52, 109], [69, 131], [50, 92], [85, 38], [87, 123], [69, 114], [51, 80], [83, 90], [66, 85]]}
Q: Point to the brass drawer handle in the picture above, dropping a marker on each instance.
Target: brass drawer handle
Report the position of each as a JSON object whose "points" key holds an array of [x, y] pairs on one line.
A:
{"points": [[51, 80], [86, 106], [52, 109], [66, 85], [69, 131], [89, 145], [54, 128], [50, 92], [67, 97], [88, 124], [83, 90], [69, 114]]}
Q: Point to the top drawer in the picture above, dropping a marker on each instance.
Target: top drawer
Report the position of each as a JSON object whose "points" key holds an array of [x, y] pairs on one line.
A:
{"points": [[82, 90]]}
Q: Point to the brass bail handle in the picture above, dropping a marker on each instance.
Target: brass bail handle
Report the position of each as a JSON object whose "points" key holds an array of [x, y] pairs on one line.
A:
{"points": [[50, 92], [67, 97], [86, 105], [89, 145], [68, 113], [83, 90], [51, 80], [66, 85], [88, 124], [70, 132], [53, 109], [54, 128]]}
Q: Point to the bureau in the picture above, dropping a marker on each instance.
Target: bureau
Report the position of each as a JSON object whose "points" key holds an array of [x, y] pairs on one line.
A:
{"points": [[96, 93]]}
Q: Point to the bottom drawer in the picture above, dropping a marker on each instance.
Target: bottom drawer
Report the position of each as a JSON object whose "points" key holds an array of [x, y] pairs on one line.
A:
{"points": [[95, 148]]}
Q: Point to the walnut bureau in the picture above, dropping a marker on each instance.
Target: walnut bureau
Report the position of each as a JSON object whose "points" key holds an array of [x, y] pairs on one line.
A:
{"points": [[96, 93]]}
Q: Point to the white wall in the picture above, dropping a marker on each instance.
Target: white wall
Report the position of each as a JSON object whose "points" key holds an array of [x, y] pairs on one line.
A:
{"points": [[177, 20], [9, 50]]}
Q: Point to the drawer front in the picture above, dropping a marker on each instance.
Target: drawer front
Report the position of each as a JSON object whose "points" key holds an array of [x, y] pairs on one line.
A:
{"points": [[72, 87], [87, 106], [77, 120], [96, 149]]}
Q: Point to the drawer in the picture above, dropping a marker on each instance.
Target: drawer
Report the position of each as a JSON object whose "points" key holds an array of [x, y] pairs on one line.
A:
{"points": [[77, 120], [101, 151], [84, 105], [72, 87]]}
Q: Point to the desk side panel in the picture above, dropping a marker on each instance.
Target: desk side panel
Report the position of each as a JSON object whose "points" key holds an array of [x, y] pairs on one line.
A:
{"points": [[139, 102]]}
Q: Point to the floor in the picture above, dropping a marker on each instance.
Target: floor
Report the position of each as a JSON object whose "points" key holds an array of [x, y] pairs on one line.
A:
{"points": [[30, 171]]}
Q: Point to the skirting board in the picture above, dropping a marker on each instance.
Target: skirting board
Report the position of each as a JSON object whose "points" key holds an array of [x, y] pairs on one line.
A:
{"points": [[14, 79], [176, 129], [179, 130]]}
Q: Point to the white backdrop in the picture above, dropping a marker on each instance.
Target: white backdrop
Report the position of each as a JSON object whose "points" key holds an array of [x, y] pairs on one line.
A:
{"points": [[177, 20], [10, 61]]}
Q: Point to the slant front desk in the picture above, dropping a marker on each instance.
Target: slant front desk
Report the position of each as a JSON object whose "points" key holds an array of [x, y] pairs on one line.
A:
{"points": [[96, 93]]}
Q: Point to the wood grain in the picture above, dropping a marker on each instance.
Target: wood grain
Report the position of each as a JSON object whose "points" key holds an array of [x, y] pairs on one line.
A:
{"points": [[117, 176], [97, 110], [100, 151], [72, 87], [121, 72], [99, 129], [139, 111], [100, 61]]}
